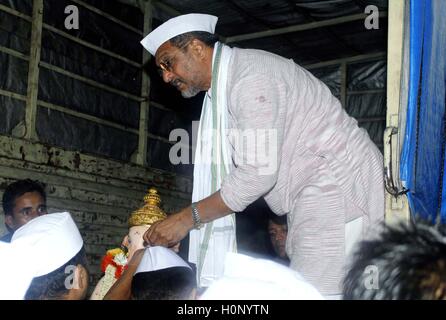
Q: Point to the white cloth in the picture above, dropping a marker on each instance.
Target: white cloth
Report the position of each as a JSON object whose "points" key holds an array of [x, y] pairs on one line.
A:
{"points": [[176, 26], [247, 278], [157, 258], [209, 255], [15, 277], [37, 248]]}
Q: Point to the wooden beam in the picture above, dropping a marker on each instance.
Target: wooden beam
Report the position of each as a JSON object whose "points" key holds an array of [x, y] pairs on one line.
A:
{"points": [[371, 119], [33, 70], [15, 13], [91, 82], [14, 53], [362, 57], [397, 207], [107, 15], [70, 37], [300, 27], [91, 46], [361, 92], [86, 116], [12, 95], [141, 156], [84, 79]]}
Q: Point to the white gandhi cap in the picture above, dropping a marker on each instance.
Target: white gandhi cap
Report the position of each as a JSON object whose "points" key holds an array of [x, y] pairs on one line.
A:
{"points": [[176, 26], [158, 258], [39, 247]]}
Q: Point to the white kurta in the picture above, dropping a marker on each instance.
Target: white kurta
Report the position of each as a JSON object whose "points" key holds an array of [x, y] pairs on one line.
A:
{"points": [[328, 171]]}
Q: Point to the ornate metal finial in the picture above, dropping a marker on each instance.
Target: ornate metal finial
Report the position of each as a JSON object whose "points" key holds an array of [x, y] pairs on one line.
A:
{"points": [[150, 212]]}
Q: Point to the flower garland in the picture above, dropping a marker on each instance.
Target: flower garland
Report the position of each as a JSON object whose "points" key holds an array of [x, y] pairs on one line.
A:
{"points": [[116, 258]]}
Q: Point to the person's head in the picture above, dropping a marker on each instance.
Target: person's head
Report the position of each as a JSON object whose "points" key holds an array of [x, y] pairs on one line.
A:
{"points": [[176, 283], [52, 249], [163, 275], [183, 50], [68, 282], [278, 231], [23, 201], [406, 262]]}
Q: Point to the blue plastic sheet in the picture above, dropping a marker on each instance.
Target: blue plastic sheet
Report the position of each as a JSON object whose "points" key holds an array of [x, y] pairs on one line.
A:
{"points": [[423, 154]]}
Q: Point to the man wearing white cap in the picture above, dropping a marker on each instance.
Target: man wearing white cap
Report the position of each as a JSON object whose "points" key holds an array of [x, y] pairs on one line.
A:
{"points": [[308, 159], [45, 260]]}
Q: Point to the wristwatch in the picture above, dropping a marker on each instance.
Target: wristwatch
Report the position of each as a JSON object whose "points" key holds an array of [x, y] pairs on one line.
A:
{"points": [[196, 216]]}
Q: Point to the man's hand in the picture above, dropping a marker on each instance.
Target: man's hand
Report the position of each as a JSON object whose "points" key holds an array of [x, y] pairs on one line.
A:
{"points": [[170, 231], [135, 260], [174, 228], [122, 288]]}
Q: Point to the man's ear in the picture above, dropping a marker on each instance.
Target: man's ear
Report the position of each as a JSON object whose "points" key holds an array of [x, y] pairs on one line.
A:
{"points": [[198, 48], [9, 221]]}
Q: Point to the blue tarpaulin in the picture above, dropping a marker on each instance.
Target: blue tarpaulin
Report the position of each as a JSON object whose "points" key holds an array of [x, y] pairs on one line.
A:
{"points": [[423, 154]]}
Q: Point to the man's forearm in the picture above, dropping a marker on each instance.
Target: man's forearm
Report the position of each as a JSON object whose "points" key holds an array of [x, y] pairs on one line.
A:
{"points": [[175, 227], [210, 208]]}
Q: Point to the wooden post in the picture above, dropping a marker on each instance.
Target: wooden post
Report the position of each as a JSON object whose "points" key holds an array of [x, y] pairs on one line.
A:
{"points": [[141, 157], [397, 208], [33, 70]]}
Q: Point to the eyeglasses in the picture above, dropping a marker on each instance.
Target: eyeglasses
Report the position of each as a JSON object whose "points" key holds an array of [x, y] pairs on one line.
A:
{"points": [[167, 64]]}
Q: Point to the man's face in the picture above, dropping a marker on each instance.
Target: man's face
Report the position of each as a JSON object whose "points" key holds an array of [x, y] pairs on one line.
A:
{"points": [[181, 68], [278, 234], [28, 206]]}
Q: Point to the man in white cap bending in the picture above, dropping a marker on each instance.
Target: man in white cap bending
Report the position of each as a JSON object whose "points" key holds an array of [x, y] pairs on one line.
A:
{"points": [[45, 260], [268, 129]]}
